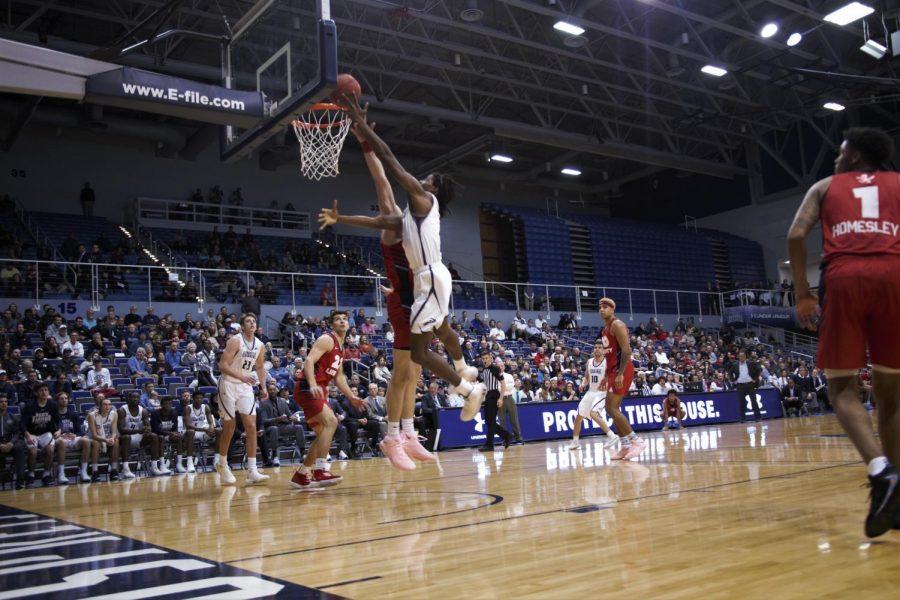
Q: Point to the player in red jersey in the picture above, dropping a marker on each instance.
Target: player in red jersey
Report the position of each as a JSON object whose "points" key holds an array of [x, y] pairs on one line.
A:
{"points": [[672, 409], [401, 443], [859, 207], [620, 373], [323, 363]]}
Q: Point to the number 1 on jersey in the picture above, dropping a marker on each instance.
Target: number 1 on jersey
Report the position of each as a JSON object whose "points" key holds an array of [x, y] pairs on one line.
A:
{"points": [[869, 197]]}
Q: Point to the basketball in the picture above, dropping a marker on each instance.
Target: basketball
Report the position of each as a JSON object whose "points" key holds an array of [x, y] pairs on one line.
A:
{"points": [[346, 85]]}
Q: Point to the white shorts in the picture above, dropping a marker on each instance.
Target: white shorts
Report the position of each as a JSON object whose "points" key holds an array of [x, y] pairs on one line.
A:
{"points": [[235, 397], [592, 401], [432, 287], [71, 444], [200, 436], [43, 440], [136, 438]]}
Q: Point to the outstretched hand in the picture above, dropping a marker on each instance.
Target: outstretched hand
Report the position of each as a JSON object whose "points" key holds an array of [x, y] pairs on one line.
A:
{"points": [[357, 402], [328, 216], [357, 113], [387, 291]]}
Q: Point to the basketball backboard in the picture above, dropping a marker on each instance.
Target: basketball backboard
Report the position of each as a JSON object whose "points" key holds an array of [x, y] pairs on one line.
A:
{"points": [[286, 49]]}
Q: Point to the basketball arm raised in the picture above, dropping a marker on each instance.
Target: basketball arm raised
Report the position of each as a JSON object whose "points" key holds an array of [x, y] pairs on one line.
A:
{"points": [[331, 216], [419, 199]]}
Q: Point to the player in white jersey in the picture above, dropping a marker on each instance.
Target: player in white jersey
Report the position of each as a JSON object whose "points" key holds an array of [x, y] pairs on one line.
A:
{"points": [[199, 426], [593, 403], [243, 355], [420, 228]]}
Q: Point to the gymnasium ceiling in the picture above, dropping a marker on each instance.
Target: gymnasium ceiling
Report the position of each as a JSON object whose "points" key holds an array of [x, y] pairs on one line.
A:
{"points": [[626, 104]]}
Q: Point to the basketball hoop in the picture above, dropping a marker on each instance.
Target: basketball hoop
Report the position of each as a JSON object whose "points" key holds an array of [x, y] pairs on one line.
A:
{"points": [[321, 133]]}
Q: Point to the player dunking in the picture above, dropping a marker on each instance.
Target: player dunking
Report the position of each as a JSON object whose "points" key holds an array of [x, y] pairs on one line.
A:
{"points": [[310, 393], [244, 353], [401, 442], [859, 207], [420, 229], [620, 373], [594, 401]]}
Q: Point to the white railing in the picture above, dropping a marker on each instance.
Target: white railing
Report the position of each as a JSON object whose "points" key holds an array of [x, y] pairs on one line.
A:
{"points": [[207, 213], [194, 284]]}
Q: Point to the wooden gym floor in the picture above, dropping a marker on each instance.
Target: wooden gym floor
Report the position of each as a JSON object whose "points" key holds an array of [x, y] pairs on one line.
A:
{"points": [[711, 511]]}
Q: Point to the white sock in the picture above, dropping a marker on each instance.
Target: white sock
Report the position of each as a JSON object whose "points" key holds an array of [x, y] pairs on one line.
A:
{"points": [[408, 425], [611, 434], [321, 463], [62, 471], [393, 429], [465, 388], [251, 464], [877, 465], [217, 460], [574, 438], [460, 364], [84, 467], [115, 465], [303, 469], [180, 459]]}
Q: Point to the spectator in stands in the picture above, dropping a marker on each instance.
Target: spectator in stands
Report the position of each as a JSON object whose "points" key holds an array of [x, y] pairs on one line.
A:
{"points": [[98, 379], [279, 374], [275, 422], [382, 374], [820, 383], [790, 398], [135, 431], [137, 364], [495, 331], [11, 441], [8, 389], [807, 388], [150, 317], [376, 407], [250, 303], [50, 349], [478, 326], [70, 438], [173, 357], [528, 297], [74, 345], [147, 397], [357, 421], [40, 421], [87, 200], [719, 384], [431, 403]]}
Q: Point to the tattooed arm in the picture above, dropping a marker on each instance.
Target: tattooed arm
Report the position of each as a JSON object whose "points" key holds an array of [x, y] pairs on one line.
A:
{"points": [[806, 218]]}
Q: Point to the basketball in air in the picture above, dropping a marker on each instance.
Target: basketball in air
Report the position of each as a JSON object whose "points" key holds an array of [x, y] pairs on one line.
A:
{"points": [[346, 85]]}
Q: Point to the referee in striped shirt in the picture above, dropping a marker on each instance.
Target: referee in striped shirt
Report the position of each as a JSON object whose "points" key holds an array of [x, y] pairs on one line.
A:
{"points": [[492, 376]]}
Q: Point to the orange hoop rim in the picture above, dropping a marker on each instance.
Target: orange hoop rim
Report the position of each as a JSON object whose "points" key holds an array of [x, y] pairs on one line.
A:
{"points": [[320, 107]]}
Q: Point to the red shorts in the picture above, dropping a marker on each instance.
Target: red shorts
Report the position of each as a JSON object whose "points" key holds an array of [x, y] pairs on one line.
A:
{"points": [[398, 316], [627, 378], [860, 298], [311, 405], [672, 412]]}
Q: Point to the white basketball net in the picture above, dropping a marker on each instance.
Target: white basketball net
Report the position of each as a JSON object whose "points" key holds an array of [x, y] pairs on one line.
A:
{"points": [[321, 133]]}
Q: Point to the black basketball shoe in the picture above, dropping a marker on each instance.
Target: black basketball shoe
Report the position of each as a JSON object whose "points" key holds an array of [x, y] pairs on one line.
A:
{"points": [[885, 500]]}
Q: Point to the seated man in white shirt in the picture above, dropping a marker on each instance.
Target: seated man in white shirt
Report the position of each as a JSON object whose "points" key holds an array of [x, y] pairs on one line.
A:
{"points": [[661, 356], [660, 388], [497, 333], [74, 345], [98, 379], [539, 322]]}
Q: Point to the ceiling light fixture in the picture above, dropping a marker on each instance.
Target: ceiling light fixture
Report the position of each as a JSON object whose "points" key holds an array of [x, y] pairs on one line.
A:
{"points": [[501, 158], [570, 171], [714, 70], [849, 13], [568, 28], [794, 39], [836, 107], [768, 30], [874, 49]]}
